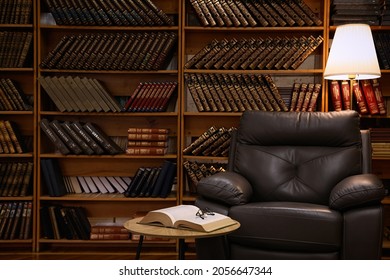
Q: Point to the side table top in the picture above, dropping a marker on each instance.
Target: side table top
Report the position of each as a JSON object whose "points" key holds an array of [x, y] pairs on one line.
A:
{"points": [[151, 230]]}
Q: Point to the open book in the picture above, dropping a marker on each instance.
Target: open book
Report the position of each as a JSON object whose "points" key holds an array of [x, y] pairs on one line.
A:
{"points": [[186, 217]]}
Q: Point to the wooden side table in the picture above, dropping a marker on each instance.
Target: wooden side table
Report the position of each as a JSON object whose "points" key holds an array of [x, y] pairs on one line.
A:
{"points": [[147, 230]]}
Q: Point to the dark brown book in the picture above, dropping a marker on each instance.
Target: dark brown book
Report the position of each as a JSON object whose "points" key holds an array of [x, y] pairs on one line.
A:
{"points": [[291, 12], [294, 96], [307, 98], [191, 89], [275, 48], [238, 86], [237, 12], [302, 45], [16, 137], [263, 11], [27, 176], [251, 90], [221, 94], [274, 14], [20, 97], [246, 51], [232, 90], [209, 59], [200, 93], [203, 137], [379, 96], [64, 136], [59, 144], [282, 12], [214, 13], [66, 125], [309, 12], [6, 141], [166, 52], [147, 60], [259, 47], [246, 14], [301, 97], [263, 52], [236, 53], [146, 151], [229, 96], [311, 48], [263, 83], [225, 136], [207, 13], [259, 17], [222, 13], [78, 128], [224, 55], [199, 13], [104, 140], [275, 91], [314, 97], [213, 93], [52, 92], [198, 56], [231, 14], [209, 141], [290, 48], [298, 10], [208, 96]]}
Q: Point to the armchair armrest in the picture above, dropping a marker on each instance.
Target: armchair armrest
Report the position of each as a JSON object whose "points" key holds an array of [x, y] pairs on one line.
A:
{"points": [[356, 191], [227, 187]]}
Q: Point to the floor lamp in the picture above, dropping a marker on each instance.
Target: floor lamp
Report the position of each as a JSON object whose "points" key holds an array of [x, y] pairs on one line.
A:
{"points": [[352, 55]]}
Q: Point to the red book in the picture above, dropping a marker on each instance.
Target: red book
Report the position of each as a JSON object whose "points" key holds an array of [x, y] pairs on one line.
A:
{"points": [[336, 95], [359, 97], [132, 97], [346, 95], [379, 96], [369, 95]]}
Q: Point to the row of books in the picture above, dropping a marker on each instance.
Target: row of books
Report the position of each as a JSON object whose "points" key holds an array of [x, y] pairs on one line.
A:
{"points": [[368, 96], [112, 51], [212, 142], [16, 11], [153, 181], [371, 12], [12, 97], [107, 12], [15, 178], [150, 97], [79, 94], [79, 138], [255, 53], [109, 228], [147, 141], [254, 13], [234, 92], [59, 185], [382, 47], [304, 97], [380, 141], [11, 141], [15, 48], [195, 171], [61, 222], [15, 220]]}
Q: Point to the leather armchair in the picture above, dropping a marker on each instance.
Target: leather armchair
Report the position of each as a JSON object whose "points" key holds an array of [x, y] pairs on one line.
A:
{"points": [[300, 185]]}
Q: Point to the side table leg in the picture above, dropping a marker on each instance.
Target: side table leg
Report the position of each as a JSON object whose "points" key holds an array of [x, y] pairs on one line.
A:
{"points": [[139, 247], [182, 249]]}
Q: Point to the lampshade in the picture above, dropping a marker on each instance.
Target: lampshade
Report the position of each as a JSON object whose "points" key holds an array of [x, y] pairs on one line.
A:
{"points": [[352, 54]]}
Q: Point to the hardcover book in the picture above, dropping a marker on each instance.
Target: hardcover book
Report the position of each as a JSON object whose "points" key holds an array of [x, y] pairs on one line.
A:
{"points": [[186, 217]]}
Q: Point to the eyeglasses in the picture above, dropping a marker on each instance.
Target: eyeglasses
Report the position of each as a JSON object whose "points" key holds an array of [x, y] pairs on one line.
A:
{"points": [[203, 212]]}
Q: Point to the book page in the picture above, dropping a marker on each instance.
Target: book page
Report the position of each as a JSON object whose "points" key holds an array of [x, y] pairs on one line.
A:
{"points": [[180, 212]]}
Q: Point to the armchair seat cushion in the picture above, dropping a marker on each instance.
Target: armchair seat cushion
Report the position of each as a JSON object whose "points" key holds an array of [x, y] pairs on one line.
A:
{"points": [[287, 226]]}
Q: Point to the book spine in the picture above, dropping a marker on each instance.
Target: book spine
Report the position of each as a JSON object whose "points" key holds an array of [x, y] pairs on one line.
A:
{"points": [[314, 97], [361, 103], [369, 95], [379, 96], [346, 95], [307, 98], [56, 126], [336, 95]]}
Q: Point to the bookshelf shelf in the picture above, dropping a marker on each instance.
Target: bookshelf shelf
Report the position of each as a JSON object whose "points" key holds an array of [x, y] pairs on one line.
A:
{"points": [[109, 198]]}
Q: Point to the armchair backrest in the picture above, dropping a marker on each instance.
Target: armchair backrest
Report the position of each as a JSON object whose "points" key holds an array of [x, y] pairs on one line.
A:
{"points": [[296, 156]]}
